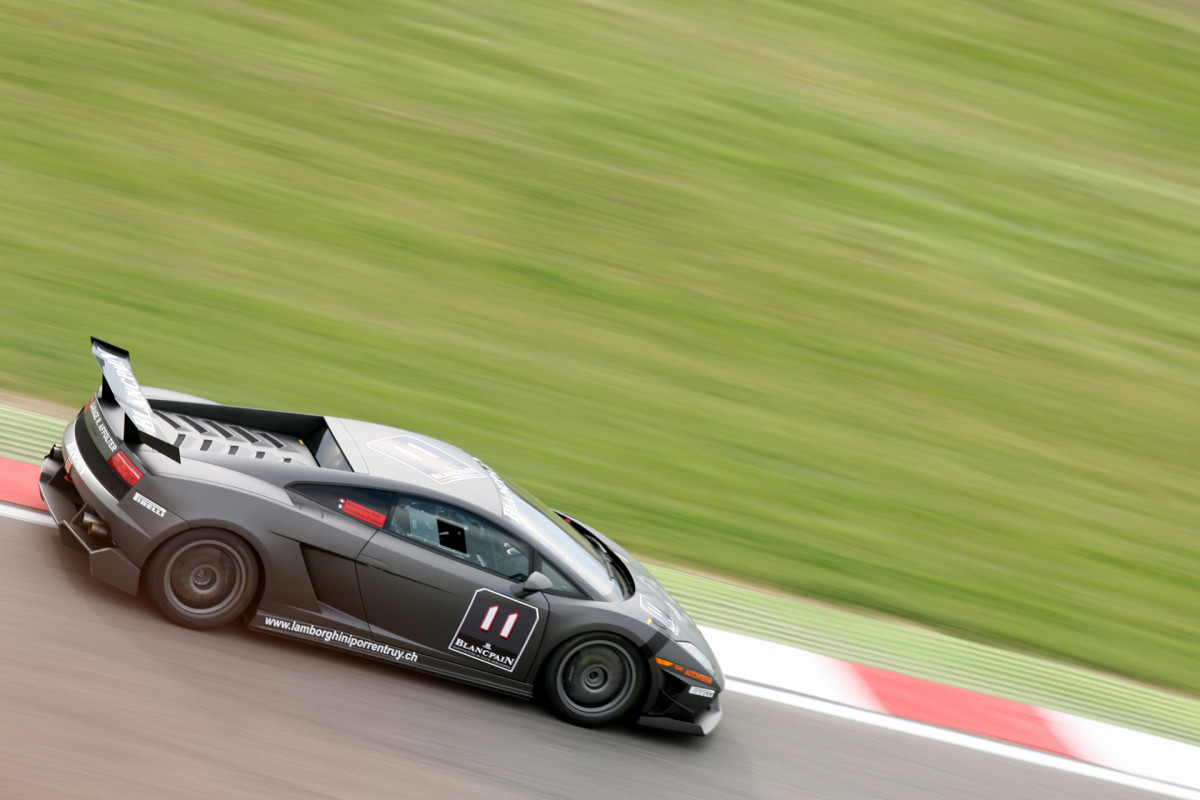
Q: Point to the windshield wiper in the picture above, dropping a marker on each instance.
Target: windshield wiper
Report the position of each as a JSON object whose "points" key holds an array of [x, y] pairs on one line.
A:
{"points": [[608, 560], [603, 553]]}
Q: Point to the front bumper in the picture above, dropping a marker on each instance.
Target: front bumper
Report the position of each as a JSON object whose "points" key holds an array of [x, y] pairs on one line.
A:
{"points": [[73, 517], [701, 725], [681, 699]]}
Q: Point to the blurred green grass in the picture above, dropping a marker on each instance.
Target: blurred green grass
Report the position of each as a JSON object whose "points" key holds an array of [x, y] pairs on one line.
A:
{"points": [[890, 304]]}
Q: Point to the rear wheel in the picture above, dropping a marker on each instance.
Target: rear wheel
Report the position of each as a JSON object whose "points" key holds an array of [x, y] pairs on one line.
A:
{"points": [[202, 578], [594, 679]]}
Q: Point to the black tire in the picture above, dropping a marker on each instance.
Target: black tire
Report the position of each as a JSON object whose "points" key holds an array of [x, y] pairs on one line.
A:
{"points": [[594, 679], [203, 578]]}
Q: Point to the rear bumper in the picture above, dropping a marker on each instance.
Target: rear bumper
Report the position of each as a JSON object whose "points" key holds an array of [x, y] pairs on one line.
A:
{"points": [[74, 520]]}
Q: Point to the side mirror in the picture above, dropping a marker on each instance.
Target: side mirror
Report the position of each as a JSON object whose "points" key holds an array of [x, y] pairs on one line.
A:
{"points": [[536, 582]]}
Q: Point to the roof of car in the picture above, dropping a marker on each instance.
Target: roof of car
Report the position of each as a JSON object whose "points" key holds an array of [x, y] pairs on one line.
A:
{"points": [[420, 461]]}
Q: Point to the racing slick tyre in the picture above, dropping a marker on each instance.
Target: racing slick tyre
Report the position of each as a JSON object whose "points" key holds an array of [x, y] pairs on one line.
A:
{"points": [[594, 679], [203, 578]]}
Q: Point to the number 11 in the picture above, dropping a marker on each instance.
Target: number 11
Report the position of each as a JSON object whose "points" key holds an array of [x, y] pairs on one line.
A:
{"points": [[490, 617]]}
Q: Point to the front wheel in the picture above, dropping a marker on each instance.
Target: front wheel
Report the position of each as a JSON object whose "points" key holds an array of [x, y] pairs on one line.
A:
{"points": [[594, 679], [202, 578]]}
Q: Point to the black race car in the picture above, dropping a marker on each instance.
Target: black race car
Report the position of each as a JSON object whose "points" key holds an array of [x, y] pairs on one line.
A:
{"points": [[374, 540]]}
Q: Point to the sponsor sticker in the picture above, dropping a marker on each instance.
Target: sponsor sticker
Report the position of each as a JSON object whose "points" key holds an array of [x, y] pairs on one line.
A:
{"points": [[74, 455], [426, 458], [102, 428], [126, 390], [700, 691], [495, 629], [508, 499], [346, 641], [148, 504], [359, 511]]}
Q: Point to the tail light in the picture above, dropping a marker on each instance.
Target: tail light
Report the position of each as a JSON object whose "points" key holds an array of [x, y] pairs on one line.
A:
{"points": [[125, 468]]}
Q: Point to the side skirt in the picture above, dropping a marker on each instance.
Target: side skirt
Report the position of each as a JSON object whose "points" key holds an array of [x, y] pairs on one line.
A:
{"points": [[335, 639]]}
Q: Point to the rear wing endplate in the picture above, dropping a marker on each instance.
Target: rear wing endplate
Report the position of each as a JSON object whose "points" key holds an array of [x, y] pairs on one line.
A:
{"points": [[121, 387]]}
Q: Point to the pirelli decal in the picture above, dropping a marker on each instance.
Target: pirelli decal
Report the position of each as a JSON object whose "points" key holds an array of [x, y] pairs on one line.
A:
{"points": [[495, 629], [148, 504]]}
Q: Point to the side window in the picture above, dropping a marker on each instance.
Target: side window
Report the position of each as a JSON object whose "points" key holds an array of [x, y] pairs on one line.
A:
{"points": [[462, 535], [562, 585], [365, 505]]}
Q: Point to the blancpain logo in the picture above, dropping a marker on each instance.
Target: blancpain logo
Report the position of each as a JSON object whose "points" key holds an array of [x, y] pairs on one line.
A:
{"points": [[149, 505], [486, 653], [135, 401]]}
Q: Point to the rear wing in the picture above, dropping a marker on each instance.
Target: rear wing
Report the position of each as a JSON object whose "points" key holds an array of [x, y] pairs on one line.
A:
{"points": [[121, 387]]}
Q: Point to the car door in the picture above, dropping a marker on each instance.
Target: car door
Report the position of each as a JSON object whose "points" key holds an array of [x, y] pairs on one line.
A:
{"points": [[441, 581]]}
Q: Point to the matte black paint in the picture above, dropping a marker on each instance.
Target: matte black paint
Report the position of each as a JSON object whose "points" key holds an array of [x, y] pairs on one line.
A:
{"points": [[327, 569]]}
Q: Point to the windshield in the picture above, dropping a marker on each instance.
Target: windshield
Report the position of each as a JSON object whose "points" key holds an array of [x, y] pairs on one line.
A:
{"points": [[556, 539]]}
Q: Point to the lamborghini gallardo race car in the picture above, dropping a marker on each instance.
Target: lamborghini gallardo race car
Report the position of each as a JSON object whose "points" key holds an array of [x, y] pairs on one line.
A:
{"points": [[372, 540]]}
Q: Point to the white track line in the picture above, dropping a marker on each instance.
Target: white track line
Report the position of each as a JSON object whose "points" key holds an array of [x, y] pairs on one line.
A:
{"points": [[787, 695], [26, 515]]}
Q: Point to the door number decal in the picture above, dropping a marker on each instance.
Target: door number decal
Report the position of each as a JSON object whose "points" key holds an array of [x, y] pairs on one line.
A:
{"points": [[495, 629], [490, 617]]}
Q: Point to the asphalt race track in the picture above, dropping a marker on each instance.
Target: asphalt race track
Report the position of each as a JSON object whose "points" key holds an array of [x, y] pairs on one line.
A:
{"points": [[100, 697]]}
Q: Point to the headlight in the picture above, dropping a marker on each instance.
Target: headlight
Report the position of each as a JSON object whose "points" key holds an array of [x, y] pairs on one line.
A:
{"points": [[659, 615], [697, 654]]}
